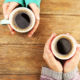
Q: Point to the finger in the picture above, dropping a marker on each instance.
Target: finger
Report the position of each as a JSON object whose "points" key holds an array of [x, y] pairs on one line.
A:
{"points": [[75, 57], [73, 62], [47, 48], [50, 39], [50, 56], [78, 46], [51, 59], [11, 29], [33, 6], [34, 29], [12, 6], [77, 53], [5, 7], [36, 10]]}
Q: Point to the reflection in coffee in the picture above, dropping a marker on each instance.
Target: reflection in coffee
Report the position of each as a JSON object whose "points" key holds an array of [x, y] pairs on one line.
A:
{"points": [[22, 20], [64, 46]]}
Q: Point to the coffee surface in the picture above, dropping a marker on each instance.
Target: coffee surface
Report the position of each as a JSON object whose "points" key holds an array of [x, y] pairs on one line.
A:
{"points": [[22, 20], [64, 46]]}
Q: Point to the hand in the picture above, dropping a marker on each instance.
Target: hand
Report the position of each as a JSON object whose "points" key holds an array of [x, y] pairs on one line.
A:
{"points": [[72, 63], [7, 9], [48, 56], [36, 12]]}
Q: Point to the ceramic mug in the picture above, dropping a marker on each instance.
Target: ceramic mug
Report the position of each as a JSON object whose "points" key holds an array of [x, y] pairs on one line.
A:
{"points": [[14, 13], [56, 45]]}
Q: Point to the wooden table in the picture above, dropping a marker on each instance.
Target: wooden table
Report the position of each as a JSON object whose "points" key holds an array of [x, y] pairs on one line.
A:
{"points": [[20, 56]]}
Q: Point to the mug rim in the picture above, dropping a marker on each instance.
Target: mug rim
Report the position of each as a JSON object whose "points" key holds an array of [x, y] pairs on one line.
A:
{"points": [[28, 11], [57, 54]]}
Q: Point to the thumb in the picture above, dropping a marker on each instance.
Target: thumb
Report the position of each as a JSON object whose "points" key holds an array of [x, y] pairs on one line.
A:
{"points": [[12, 6]]}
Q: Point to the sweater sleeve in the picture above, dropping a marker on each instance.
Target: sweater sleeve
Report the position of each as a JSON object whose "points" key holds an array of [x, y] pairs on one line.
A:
{"points": [[74, 75], [37, 2], [48, 74], [18, 1]]}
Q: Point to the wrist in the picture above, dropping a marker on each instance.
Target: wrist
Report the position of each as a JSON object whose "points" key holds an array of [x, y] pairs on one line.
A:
{"points": [[49, 73], [70, 75]]}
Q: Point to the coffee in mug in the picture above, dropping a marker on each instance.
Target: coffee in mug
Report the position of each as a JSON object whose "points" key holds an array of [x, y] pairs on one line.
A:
{"points": [[63, 46], [21, 20]]}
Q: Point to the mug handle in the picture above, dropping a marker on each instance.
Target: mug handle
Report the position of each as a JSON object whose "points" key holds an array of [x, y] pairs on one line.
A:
{"points": [[4, 22]]}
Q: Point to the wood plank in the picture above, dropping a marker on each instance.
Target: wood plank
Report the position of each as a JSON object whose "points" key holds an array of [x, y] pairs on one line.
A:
{"points": [[69, 7], [48, 25], [21, 59], [19, 77]]}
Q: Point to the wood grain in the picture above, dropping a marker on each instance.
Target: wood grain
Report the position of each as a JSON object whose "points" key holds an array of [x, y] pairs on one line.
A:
{"points": [[67, 7], [48, 25], [21, 59], [22, 55], [19, 77]]}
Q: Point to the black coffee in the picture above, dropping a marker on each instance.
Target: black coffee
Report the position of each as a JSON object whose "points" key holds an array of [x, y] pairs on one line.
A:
{"points": [[22, 20], [64, 46]]}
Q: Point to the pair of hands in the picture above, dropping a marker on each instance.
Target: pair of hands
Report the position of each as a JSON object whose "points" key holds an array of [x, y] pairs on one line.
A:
{"points": [[56, 65], [10, 6]]}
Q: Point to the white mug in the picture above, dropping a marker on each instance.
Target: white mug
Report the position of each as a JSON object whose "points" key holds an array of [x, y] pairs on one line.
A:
{"points": [[55, 51], [20, 9]]}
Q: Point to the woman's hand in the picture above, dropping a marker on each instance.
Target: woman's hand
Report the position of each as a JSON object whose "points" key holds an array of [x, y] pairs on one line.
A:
{"points": [[7, 9], [72, 63], [48, 56], [36, 12]]}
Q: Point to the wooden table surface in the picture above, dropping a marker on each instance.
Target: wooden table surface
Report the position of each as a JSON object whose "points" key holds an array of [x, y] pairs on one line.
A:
{"points": [[20, 56]]}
